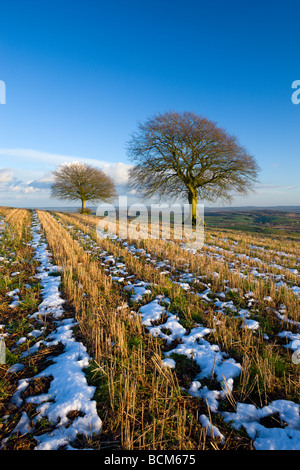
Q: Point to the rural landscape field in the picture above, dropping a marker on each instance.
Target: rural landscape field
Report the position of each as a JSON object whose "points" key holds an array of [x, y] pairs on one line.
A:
{"points": [[149, 231], [146, 344]]}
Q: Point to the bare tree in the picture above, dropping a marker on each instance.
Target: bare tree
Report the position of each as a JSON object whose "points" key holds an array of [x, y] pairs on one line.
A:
{"points": [[78, 181], [185, 155]]}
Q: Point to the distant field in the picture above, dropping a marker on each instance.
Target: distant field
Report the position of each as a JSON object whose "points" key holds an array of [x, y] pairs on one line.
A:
{"points": [[266, 222]]}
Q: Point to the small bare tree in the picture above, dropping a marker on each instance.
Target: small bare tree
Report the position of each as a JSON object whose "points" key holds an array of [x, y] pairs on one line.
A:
{"points": [[78, 181], [185, 155]]}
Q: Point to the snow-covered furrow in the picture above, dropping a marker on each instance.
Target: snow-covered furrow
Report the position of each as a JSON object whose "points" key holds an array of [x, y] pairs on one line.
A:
{"points": [[69, 390], [256, 272], [2, 226], [254, 267], [285, 436], [259, 270], [183, 279], [293, 257], [281, 313], [239, 256], [212, 361]]}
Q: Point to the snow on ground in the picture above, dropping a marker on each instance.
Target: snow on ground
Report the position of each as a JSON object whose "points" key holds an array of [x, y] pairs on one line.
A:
{"points": [[139, 289], [259, 271], [151, 312], [52, 302], [284, 437], [69, 390], [209, 357]]}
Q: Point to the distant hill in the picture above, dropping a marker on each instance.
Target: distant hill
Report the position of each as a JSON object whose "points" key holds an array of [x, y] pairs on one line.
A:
{"points": [[294, 209], [269, 221]]}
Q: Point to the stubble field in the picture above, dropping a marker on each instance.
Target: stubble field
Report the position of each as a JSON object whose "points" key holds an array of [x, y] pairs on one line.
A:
{"points": [[146, 344]]}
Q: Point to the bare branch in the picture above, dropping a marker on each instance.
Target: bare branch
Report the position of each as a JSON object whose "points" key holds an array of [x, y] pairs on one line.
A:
{"points": [[179, 154]]}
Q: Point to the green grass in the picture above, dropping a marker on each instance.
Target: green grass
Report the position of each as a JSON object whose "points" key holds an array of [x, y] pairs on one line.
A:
{"points": [[256, 221], [19, 326]]}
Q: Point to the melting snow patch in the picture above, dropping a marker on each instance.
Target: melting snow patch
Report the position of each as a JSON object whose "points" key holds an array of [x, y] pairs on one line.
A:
{"points": [[139, 289], [69, 390], [52, 302], [169, 363], [211, 430], [151, 312], [16, 368], [286, 437], [172, 325]]}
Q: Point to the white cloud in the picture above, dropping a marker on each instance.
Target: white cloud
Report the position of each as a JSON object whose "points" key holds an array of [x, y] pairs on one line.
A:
{"points": [[45, 157], [6, 175], [21, 188], [41, 183], [118, 171], [10, 183], [275, 187], [28, 180]]}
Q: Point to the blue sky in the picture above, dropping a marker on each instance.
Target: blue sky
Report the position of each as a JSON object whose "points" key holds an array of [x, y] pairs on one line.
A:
{"points": [[80, 75]]}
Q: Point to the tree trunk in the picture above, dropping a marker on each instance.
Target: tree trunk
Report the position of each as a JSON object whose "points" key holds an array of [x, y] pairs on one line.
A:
{"points": [[193, 207], [83, 205]]}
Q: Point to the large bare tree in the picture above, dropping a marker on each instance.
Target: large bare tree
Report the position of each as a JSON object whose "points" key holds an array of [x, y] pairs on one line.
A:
{"points": [[78, 181], [185, 155]]}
